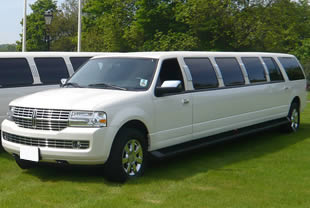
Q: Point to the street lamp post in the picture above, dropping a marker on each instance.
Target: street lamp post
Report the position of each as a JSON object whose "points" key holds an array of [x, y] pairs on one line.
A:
{"points": [[24, 26], [48, 15], [79, 26]]}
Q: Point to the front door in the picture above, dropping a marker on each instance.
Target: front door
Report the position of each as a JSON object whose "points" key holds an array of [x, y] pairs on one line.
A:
{"points": [[172, 112]]}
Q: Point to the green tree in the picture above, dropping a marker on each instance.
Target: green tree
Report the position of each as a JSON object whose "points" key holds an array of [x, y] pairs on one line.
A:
{"points": [[36, 27], [303, 54], [224, 25], [105, 23], [209, 21], [155, 23], [278, 26], [7, 47], [64, 27], [171, 41]]}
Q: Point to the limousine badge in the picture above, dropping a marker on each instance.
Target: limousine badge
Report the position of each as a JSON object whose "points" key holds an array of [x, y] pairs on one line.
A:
{"points": [[34, 116]]}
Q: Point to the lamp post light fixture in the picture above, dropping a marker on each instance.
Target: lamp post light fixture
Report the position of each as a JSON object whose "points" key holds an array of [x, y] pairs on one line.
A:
{"points": [[48, 15]]}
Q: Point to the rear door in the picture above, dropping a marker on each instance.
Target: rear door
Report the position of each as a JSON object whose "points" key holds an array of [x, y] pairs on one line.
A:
{"points": [[206, 96], [296, 84], [278, 97]]}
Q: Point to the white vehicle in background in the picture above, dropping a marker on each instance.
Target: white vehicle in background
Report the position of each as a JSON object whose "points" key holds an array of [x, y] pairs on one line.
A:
{"points": [[119, 108], [25, 73]]}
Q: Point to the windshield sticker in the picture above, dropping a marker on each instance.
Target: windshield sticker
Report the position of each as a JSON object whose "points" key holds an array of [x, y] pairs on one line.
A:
{"points": [[143, 82]]}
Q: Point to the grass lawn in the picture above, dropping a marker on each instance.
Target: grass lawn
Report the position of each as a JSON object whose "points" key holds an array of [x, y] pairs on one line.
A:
{"points": [[270, 169], [308, 96]]}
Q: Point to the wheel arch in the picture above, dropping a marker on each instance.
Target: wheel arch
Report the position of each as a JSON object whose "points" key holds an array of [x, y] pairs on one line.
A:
{"points": [[135, 124], [296, 99]]}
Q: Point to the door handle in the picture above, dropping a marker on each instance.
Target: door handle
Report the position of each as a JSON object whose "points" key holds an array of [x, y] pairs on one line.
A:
{"points": [[185, 101], [286, 88]]}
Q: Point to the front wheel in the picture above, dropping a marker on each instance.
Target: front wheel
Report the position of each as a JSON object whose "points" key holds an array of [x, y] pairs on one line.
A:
{"points": [[127, 157], [294, 118]]}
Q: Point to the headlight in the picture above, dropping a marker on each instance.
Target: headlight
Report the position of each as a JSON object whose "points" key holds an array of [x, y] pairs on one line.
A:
{"points": [[10, 113], [87, 119]]}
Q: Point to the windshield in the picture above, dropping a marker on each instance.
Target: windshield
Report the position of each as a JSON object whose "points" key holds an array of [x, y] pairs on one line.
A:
{"points": [[115, 73]]}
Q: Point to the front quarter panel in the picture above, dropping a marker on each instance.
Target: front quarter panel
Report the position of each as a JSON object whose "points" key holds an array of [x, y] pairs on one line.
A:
{"points": [[119, 114]]}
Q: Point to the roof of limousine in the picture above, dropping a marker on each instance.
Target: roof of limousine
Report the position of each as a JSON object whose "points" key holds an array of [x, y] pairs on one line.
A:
{"points": [[155, 55], [158, 55], [47, 54]]}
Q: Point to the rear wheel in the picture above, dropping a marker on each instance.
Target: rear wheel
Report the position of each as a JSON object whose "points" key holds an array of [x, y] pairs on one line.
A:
{"points": [[127, 157], [294, 118]]}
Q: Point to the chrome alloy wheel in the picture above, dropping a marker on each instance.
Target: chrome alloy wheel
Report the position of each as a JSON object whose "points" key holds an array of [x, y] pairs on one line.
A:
{"points": [[132, 157], [294, 119]]}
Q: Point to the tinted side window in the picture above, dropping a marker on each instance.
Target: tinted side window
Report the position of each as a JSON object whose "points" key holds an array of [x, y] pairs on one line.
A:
{"points": [[15, 71], [78, 61], [273, 68], [170, 70], [254, 69], [202, 73], [292, 68], [231, 71], [51, 70]]}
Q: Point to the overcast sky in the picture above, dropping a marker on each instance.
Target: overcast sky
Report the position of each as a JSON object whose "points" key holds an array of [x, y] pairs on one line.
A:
{"points": [[11, 13]]}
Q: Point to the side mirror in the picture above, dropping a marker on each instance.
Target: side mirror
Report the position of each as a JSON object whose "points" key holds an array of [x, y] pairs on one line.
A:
{"points": [[169, 87], [63, 82]]}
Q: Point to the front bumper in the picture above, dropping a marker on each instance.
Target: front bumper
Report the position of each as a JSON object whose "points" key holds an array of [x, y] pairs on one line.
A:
{"points": [[100, 142]]}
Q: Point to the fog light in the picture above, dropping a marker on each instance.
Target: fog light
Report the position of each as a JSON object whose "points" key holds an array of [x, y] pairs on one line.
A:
{"points": [[76, 144]]}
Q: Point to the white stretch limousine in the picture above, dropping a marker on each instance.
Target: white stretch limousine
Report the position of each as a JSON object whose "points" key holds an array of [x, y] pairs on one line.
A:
{"points": [[119, 108], [25, 73]]}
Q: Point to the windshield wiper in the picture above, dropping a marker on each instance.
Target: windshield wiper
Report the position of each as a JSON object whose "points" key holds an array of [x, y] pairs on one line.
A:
{"points": [[107, 85], [73, 84]]}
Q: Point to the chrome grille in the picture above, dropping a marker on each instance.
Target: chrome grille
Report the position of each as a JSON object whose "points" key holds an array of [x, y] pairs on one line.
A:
{"points": [[51, 143], [41, 119]]}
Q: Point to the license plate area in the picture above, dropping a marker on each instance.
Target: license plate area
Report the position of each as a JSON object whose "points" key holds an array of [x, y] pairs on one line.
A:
{"points": [[29, 153]]}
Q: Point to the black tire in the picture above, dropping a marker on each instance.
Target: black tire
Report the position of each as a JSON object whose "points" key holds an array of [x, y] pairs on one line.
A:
{"points": [[1, 147], [128, 156], [25, 164], [294, 118]]}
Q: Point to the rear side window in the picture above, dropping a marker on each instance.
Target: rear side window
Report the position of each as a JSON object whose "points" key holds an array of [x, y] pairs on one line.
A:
{"points": [[15, 72], [292, 68], [202, 73], [78, 61], [51, 70], [255, 69], [273, 69], [231, 71]]}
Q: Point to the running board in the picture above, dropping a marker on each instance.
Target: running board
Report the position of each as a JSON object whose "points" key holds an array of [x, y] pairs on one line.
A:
{"points": [[200, 143]]}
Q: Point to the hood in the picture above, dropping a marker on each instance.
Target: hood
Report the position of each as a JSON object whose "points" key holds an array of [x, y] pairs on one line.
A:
{"points": [[73, 99]]}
